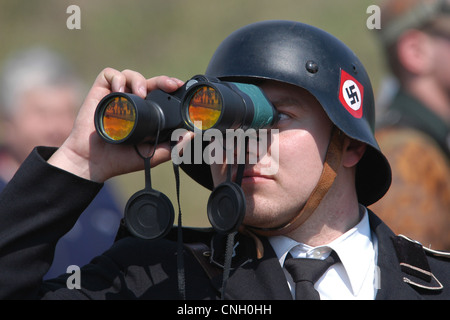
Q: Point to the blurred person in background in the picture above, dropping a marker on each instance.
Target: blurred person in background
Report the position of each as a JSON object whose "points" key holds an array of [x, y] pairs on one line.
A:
{"points": [[39, 98], [414, 132]]}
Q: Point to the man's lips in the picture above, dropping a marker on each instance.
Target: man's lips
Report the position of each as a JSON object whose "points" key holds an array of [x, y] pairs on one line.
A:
{"points": [[252, 175]]}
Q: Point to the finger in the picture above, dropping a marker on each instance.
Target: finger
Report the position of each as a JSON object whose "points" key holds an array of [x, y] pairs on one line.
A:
{"points": [[114, 79], [102, 85], [159, 155], [184, 141], [165, 83], [135, 82]]}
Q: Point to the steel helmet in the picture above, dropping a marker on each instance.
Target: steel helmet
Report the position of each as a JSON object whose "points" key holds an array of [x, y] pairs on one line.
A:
{"points": [[310, 58]]}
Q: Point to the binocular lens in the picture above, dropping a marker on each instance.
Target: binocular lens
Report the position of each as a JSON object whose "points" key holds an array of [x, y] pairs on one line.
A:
{"points": [[205, 107], [118, 118]]}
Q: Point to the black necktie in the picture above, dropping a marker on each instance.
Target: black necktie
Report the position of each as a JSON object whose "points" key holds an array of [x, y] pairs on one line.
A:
{"points": [[305, 272]]}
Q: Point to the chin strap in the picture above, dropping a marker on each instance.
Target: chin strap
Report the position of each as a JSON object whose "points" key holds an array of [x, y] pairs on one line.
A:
{"points": [[329, 173]]}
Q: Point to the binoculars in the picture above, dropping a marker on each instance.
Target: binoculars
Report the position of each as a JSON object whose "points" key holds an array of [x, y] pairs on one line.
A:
{"points": [[202, 103]]}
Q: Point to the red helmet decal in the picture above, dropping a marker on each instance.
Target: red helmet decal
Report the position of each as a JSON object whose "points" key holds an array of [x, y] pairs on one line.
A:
{"points": [[351, 94]]}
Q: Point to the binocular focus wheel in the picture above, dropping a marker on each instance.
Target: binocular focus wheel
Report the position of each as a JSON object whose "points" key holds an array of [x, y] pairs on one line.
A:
{"points": [[149, 214], [226, 207]]}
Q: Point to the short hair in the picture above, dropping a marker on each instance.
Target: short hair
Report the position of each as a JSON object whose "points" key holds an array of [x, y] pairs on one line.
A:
{"points": [[33, 68]]}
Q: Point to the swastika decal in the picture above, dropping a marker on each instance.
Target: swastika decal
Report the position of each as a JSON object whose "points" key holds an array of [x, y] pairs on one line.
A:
{"points": [[351, 94]]}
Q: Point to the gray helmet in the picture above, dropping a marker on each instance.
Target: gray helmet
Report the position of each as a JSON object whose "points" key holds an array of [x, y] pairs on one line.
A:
{"points": [[310, 58]]}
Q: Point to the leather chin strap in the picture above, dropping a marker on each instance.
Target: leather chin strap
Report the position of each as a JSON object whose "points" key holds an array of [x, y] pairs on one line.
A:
{"points": [[331, 164]]}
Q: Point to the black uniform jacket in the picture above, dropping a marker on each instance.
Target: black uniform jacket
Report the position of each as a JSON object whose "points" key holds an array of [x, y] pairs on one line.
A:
{"points": [[42, 203]]}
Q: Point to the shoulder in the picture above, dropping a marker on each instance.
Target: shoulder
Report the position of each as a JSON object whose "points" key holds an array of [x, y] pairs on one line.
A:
{"points": [[408, 270], [413, 156], [424, 268], [391, 138]]}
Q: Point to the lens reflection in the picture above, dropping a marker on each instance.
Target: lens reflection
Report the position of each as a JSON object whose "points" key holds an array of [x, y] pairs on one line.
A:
{"points": [[119, 118], [205, 106]]}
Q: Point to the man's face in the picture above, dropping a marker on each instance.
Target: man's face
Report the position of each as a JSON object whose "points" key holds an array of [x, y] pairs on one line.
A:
{"points": [[304, 133], [43, 117]]}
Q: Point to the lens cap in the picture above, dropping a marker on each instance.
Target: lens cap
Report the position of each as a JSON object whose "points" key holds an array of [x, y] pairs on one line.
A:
{"points": [[149, 214], [226, 207]]}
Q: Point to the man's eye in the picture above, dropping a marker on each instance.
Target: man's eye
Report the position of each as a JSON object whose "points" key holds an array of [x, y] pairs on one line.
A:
{"points": [[283, 116]]}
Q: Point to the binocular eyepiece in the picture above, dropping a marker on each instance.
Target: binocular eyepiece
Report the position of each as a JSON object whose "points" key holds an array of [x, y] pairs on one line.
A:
{"points": [[202, 103]]}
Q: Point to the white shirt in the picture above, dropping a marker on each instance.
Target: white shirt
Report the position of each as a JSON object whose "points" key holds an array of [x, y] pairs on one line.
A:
{"points": [[355, 277]]}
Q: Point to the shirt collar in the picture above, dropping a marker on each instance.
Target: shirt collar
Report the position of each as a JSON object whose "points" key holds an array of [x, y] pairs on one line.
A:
{"points": [[354, 248]]}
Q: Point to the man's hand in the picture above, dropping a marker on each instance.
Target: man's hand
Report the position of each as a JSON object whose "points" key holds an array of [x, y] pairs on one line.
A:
{"points": [[85, 154]]}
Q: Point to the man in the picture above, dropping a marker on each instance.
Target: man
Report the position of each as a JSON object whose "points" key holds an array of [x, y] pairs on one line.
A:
{"points": [[414, 132], [39, 99], [330, 168]]}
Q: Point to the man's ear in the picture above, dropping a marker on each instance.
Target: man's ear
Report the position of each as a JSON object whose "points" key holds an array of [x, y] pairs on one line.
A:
{"points": [[353, 152]]}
